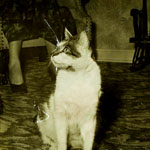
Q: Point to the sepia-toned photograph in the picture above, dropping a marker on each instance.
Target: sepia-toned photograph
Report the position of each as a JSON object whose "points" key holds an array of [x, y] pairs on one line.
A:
{"points": [[74, 74]]}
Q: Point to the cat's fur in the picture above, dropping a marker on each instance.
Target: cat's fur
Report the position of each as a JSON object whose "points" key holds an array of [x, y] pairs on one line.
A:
{"points": [[71, 110]]}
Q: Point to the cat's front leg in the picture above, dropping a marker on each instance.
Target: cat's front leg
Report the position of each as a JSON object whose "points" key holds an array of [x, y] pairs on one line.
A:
{"points": [[87, 133], [61, 131]]}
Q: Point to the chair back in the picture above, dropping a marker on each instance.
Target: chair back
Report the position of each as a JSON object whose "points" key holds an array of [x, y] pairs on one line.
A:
{"points": [[148, 17], [141, 21]]}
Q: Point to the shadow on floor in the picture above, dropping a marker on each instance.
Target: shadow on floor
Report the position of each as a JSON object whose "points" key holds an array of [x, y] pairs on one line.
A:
{"points": [[107, 110]]}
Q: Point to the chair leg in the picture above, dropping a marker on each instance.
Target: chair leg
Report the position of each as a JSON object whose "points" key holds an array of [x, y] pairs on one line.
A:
{"points": [[139, 58]]}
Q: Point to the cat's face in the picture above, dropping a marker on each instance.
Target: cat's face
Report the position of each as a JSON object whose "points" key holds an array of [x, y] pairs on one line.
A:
{"points": [[72, 52]]}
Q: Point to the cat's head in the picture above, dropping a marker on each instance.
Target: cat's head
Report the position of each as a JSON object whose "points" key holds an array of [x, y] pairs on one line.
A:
{"points": [[73, 52]]}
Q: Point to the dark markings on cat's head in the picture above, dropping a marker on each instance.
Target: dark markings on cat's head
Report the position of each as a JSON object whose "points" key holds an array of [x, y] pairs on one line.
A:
{"points": [[70, 45], [71, 52], [68, 48]]}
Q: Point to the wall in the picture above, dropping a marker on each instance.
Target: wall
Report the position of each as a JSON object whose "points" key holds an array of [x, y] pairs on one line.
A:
{"points": [[114, 24], [114, 27]]}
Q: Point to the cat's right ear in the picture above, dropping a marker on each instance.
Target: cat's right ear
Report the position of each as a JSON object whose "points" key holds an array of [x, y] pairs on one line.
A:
{"points": [[68, 35]]}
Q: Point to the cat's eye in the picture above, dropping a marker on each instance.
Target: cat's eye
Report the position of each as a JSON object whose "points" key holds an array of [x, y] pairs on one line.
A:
{"points": [[67, 50]]}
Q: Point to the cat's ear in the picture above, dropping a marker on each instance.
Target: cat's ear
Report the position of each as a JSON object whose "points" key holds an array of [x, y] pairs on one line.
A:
{"points": [[68, 35], [83, 39]]}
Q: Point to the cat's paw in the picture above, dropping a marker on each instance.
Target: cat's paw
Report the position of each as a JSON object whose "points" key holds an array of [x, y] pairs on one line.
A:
{"points": [[46, 147]]}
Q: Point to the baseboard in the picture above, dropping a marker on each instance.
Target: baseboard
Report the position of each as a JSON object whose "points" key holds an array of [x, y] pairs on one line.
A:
{"points": [[113, 55]]}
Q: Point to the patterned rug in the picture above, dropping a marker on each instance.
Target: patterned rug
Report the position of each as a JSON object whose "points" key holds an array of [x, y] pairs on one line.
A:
{"points": [[17, 128], [123, 116]]}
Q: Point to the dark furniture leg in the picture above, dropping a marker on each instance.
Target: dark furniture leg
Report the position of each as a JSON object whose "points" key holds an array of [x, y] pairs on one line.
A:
{"points": [[141, 57]]}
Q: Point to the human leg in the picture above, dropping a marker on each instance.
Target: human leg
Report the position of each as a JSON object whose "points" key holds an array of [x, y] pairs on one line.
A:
{"points": [[15, 72]]}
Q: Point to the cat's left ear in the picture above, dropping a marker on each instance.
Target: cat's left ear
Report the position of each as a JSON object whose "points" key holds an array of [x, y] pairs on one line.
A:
{"points": [[83, 39], [68, 35]]}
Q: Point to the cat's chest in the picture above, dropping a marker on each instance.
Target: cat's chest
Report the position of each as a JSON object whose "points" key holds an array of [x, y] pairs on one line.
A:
{"points": [[72, 85], [76, 87]]}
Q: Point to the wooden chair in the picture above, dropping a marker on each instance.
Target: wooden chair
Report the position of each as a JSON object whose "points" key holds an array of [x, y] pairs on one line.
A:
{"points": [[141, 23]]}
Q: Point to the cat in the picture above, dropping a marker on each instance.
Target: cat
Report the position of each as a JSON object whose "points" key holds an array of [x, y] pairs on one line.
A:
{"points": [[70, 113]]}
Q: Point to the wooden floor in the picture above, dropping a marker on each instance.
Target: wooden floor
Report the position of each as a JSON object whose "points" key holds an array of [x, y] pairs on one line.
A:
{"points": [[123, 116]]}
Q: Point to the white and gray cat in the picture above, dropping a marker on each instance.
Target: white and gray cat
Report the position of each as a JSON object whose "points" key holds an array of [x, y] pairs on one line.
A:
{"points": [[71, 109]]}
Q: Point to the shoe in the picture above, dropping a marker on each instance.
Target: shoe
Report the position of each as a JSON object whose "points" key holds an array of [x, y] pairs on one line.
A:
{"points": [[18, 88]]}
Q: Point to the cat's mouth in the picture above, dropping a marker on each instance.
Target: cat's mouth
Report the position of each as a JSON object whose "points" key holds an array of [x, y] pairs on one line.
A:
{"points": [[62, 66], [57, 64]]}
